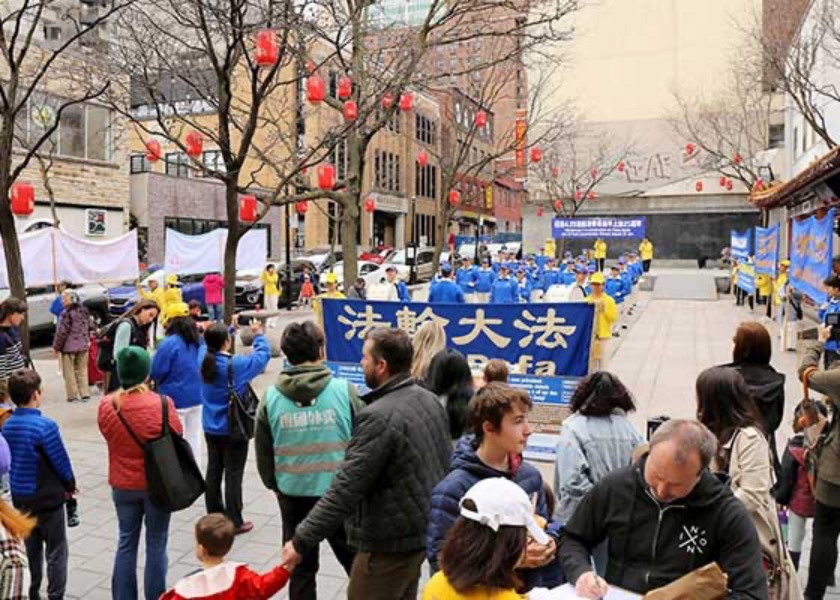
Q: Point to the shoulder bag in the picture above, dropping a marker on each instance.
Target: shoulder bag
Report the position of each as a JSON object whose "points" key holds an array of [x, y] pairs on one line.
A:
{"points": [[242, 408], [173, 479]]}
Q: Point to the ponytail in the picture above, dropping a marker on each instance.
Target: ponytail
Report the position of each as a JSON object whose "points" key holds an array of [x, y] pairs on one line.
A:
{"points": [[215, 338]]}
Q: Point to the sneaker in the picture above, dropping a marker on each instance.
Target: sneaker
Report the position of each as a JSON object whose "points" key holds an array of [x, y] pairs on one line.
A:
{"points": [[73, 400], [85, 399], [244, 528]]}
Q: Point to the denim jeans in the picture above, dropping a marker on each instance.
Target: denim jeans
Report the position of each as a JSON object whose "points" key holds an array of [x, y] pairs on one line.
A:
{"points": [[216, 311], [133, 508]]}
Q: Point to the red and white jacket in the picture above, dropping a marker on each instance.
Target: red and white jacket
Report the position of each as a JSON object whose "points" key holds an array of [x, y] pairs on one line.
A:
{"points": [[229, 581]]}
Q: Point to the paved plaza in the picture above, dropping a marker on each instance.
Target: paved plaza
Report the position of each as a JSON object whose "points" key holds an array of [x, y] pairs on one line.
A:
{"points": [[666, 345]]}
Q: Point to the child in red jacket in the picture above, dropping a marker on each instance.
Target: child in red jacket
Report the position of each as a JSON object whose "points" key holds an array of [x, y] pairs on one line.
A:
{"points": [[220, 580]]}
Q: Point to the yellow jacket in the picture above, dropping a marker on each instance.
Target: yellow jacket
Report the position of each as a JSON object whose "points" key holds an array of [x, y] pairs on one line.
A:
{"points": [[171, 296], [601, 249], [606, 314], [779, 288], [764, 285], [439, 588], [550, 248], [155, 296], [646, 251], [270, 283], [735, 275], [316, 303]]}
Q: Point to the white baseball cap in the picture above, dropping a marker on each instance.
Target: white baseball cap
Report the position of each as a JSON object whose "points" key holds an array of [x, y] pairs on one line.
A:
{"points": [[499, 501]]}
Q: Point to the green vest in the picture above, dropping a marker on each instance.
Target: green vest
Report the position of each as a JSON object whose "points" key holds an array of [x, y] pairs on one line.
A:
{"points": [[309, 442]]}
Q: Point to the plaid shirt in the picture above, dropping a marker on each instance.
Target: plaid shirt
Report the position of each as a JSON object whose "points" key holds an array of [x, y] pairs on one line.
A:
{"points": [[14, 568]]}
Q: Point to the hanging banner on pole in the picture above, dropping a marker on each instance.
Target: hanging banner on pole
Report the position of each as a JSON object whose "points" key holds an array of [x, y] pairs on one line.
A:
{"points": [[739, 244], [767, 250], [541, 339], [190, 254], [811, 252], [598, 227], [746, 278]]}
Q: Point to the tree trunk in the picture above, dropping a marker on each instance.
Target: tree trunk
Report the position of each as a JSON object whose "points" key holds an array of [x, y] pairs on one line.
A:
{"points": [[349, 218], [11, 246], [442, 227], [232, 243]]}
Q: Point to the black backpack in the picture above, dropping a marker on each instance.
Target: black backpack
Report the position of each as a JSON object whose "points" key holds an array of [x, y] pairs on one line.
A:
{"points": [[105, 343]]}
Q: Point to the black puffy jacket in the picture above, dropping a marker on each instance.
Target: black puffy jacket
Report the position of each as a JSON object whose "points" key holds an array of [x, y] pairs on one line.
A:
{"points": [[399, 451]]}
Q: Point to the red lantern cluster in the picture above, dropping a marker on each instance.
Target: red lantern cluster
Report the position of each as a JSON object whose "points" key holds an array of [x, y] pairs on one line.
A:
{"points": [[316, 89], [698, 186], [344, 87], [153, 151], [387, 100], [406, 101], [689, 149], [194, 144], [23, 198], [268, 50], [301, 207], [370, 205], [326, 176], [351, 110], [480, 118], [248, 209], [454, 197], [422, 158], [540, 211], [536, 154], [621, 167]]}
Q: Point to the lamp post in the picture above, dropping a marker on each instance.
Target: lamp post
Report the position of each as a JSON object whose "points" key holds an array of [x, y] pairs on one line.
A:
{"points": [[477, 239], [288, 285], [411, 251]]}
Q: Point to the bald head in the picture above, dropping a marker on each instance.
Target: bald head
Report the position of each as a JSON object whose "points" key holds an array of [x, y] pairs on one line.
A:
{"points": [[680, 451]]}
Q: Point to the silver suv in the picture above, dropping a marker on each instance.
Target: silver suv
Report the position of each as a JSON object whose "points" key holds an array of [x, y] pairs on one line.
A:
{"points": [[39, 299]]}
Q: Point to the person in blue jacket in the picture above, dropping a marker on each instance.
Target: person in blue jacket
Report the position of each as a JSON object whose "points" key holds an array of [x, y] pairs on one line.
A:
{"points": [[175, 371], [832, 347], [523, 287], [484, 278], [614, 285], [403, 295], [444, 289], [551, 275], [57, 306], [504, 288], [494, 449], [567, 276], [227, 450], [465, 278]]}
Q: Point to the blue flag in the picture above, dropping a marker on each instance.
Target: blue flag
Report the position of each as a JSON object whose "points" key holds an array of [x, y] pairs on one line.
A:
{"points": [[739, 243], [767, 250], [811, 252]]}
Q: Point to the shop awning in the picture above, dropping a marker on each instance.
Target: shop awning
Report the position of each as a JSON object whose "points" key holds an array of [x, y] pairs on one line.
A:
{"points": [[787, 193]]}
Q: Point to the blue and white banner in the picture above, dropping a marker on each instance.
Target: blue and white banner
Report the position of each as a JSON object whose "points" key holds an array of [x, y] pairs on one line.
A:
{"points": [[739, 244], [767, 250], [542, 339], [746, 278], [811, 252], [598, 227]]}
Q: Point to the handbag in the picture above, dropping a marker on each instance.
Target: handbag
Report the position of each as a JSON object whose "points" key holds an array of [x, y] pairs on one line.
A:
{"points": [[242, 409], [173, 479], [815, 428]]}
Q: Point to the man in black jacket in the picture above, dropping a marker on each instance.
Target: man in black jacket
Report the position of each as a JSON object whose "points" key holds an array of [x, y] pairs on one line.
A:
{"points": [[664, 517], [400, 449]]}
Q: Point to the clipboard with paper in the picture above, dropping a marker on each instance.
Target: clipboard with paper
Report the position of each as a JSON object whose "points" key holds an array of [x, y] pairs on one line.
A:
{"points": [[567, 592]]}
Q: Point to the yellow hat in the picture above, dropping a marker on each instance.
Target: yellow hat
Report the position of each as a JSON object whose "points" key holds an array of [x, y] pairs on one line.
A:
{"points": [[172, 280], [785, 263], [597, 278], [177, 310], [331, 278]]}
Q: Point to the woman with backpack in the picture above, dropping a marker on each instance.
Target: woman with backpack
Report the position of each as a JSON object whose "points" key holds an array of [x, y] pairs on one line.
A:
{"points": [[72, 342], [142, 411], [12, 313], [131, 330], [227, 448], [175, 371]]}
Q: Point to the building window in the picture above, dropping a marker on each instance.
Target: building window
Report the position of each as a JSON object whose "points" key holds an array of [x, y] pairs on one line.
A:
{"points": [[340, 159], [795, 142], [84, 130], [425, 181], [387, 171], [177, 164], [776, 136], [139, 164], [425, 129], [213, 161]]}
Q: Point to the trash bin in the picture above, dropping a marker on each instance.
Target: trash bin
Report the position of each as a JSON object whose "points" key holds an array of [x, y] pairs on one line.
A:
{"points": [[654, 423]]}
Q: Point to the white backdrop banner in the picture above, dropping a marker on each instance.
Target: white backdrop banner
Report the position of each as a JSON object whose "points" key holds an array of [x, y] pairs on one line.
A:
{"points": [[50, 255], [205, 253]]}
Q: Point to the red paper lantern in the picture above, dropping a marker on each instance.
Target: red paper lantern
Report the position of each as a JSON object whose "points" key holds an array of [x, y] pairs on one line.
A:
{"points": [[723, 181], [301, 207], [540, 211], [351, 110], [689, 149], [268, 50], [558, 205], [454, 197], [480, 118], [370, 205], [315, 89], [729, 185], [194, 144], [248, 209], [578, 195], [23, 198], [153, 151], [345, 87], [698, 186], [406, 101], [387, 100], [326, 176], [536, 155], [737, 159], [422, 158], [621, 166], [591, 195]]}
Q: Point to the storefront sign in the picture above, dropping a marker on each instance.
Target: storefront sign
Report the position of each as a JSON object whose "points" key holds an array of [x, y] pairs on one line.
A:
{"points": [[811, 252], [767, 250], [599, 227]]}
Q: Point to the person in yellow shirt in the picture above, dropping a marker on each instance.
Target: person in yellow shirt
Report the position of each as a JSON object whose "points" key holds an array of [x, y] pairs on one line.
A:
{"points": [[606, 314], [271, 287], [331, 281], [496, 522], [154, 293], [765, 290], [171, 297], [780, 284], [600, 253], [646, 254], [550, 248]]}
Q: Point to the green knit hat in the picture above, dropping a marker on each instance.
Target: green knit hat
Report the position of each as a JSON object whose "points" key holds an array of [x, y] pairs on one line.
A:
{"points": [[133, 366]]}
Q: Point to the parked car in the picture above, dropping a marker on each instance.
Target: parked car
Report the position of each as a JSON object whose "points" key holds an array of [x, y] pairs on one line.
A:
{"points": [[123, 297], [378, 255], [249, 287], [323, 259], [39, 299], [369, 271], [423, 265]]}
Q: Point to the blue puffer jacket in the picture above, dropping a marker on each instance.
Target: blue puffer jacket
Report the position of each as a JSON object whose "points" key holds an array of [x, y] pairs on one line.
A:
{"points": [[465, 471], [175, 369]]}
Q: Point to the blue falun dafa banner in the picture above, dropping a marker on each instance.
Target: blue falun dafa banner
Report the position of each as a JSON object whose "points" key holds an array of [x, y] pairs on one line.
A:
{"points": [[598, 227], [746, 278], [541, 339], [811, 252], [767, 250], [739, 244]]}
